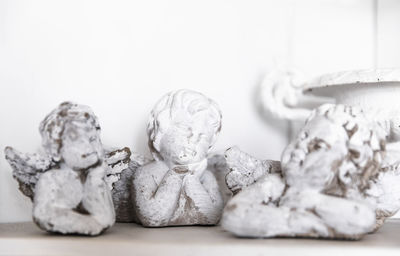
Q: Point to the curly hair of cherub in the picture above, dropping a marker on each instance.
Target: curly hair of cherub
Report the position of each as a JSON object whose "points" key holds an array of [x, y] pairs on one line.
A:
{"points": [[366, 142], [166, 109], [53, 125]]}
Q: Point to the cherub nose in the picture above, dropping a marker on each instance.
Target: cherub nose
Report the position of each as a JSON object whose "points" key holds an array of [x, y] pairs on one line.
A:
{"points": [[194, 136]]}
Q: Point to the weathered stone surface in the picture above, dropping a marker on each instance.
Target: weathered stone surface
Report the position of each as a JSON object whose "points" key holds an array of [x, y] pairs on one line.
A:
{"points": [[217, 165], [122, 164], [27, 169], [375, 91], [70, 195], [177, 188], [325, 187], [244, 170]]}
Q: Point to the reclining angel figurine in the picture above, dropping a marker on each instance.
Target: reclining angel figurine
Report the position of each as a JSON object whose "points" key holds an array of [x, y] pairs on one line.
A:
{"points": [[67, 184], [177, 187], [331, 182]]}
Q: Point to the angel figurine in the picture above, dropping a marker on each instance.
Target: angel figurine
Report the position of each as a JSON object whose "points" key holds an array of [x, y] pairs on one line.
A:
{"points": [[177, 188], [330, 183], [67, 185]]}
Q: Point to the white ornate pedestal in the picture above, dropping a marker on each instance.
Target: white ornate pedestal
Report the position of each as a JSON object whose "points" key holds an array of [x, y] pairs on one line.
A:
{"points": [[376, 92], [286, 95]]}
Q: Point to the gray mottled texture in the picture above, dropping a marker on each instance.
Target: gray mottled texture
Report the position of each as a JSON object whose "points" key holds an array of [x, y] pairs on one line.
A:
{"points": [[217, 165], [122, 165], [178, 188], [244, 170], [323, 188], [67, 185]]}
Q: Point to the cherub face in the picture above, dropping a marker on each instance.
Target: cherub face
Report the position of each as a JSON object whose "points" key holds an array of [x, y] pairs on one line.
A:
{"points": [[81, 146], [310, 158], [188, 139]]}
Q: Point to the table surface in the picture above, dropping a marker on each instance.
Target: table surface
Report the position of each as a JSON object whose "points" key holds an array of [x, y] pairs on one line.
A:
{"points": [[130, 239]]}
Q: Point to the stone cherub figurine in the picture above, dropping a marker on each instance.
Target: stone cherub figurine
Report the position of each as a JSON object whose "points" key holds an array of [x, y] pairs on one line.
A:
{"points": [[330, 183], [67, 185], [177, 188]]}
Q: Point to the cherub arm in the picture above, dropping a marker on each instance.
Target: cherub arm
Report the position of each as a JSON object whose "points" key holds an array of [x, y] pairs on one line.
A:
{"points": [[205, 194], [156, 192], [346, 218], [97, 197], [259, 211], [68, 215]]}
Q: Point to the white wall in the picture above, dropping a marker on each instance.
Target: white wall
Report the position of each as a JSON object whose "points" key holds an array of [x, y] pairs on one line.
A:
{"points": [[388, 31], [119, 57]]}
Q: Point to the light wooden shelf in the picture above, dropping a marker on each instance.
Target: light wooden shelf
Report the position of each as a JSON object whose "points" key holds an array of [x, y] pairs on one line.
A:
{"points": [[130, 239]]}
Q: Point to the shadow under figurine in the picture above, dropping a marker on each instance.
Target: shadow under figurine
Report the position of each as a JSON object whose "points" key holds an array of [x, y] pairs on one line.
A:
{"points": [[328, 185], [177, 188], [68, 188]]}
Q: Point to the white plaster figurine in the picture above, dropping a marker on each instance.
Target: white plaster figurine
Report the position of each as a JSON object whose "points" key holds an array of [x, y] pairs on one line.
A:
{"points": [[330, 183], [177, 188], [285, 94], [67, 185]]}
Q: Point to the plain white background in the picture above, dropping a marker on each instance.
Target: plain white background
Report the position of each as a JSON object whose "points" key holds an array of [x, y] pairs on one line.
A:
{"points": [[120, 57]]}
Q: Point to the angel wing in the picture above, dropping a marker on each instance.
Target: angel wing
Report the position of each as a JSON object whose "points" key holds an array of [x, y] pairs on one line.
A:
{"points": [[122, 164], [118, 161], [27, 168], [244, 169]]}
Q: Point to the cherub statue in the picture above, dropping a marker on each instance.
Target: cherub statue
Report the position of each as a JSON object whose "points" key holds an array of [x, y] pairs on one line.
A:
{"points": [[67, 185], [177, 188], [329, 183]]}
